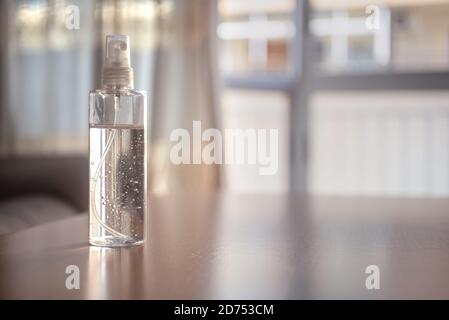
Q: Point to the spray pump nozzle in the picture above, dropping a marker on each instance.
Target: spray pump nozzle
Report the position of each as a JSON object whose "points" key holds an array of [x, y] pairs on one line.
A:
{"points": [[117, 71]]}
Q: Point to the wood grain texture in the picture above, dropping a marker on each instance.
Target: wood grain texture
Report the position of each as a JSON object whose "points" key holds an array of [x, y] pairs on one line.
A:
{"points": [[224, 246]]}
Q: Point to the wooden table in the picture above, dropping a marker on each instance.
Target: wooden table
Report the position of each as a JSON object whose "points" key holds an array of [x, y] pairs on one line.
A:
{"points": [[224, 246]]}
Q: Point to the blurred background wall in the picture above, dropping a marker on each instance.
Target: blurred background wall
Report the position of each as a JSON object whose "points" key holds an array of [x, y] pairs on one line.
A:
{"points": [[359, 110]]}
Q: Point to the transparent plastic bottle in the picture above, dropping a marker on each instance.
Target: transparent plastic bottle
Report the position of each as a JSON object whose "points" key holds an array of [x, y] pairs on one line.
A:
{"points": [[117, 153]]}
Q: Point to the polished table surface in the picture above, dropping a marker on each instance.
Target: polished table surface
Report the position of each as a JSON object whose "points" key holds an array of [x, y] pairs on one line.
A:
{"points": [[225, 246]]}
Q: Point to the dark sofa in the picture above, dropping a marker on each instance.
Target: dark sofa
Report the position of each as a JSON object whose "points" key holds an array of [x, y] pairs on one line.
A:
{"points": [[36, 190]]}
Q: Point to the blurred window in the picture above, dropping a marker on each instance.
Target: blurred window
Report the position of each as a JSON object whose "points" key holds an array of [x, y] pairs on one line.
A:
{"points": [[411, 35], [380, 143], [345, 43], [379, 105], [257, 62], [256, 36], [258, 109]]}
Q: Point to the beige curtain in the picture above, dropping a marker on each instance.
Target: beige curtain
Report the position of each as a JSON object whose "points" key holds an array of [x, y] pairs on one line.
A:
{"points": [[185, 89], [46, 74]]}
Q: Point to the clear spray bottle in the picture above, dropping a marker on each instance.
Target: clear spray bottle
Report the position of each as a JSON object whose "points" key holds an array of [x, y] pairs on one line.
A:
{"points": [[117, 152]]}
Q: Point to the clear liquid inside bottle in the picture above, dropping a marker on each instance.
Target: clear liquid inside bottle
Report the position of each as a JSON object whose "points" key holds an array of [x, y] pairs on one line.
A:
{"points": [[117, 162]]}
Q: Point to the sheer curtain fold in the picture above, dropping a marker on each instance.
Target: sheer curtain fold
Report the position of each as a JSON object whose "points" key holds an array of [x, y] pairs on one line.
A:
{"points": [[45, 78], [185, 90]]}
